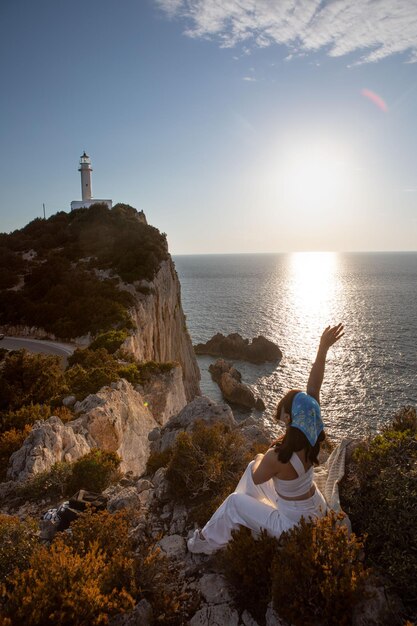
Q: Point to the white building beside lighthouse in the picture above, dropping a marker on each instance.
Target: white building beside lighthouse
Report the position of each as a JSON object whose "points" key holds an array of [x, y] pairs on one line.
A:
{"points": [[86, 191]]}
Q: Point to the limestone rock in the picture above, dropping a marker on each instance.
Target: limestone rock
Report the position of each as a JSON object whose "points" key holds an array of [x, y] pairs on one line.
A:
{"points": [[143, 485], [173, 546], [119, 422], [179, 519], [216, 615], [69, 401], [272, 618], [229, 380], [221, 366], [165, 394], [141, 615], [48, 442], [127, 498], [236, 392], [260, 350], [214, 589], [247, 619], [256, 434], [114, 419], [379, 606], [201, 408], [161, 334], [146, 497]]}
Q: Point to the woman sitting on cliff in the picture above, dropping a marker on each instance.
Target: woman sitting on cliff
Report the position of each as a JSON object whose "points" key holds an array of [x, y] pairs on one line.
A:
{"points": [[277, 488]]}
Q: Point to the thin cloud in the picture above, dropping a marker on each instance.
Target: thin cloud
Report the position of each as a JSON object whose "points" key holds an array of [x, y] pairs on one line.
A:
{"points": [[375, 29], [250, 79]]}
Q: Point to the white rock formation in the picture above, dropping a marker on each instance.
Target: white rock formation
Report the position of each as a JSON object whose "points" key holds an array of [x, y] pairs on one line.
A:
{"points": [[164, 394], [48, 442], [201, 408], [115, 419], [161, 333]]}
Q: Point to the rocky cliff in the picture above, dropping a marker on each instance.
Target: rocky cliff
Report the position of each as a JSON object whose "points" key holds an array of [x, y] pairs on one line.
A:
{"points": [[118, 418], [161, 333]]}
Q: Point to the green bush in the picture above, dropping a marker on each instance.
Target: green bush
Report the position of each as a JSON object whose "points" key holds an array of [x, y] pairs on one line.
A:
{"points": [[83, 381], [10, 441], [205, 467], [62, 292], [110, 341], [28, 414], [50, 484], [379, 493], [157, 460], [29, 378], [17, 542], [247, 564], [313, 573], [317, 574], [95, 471], [89, 370]]}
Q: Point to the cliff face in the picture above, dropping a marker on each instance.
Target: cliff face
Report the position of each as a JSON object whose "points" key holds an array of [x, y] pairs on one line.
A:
{"points": [[117, 418], [161, 333]]}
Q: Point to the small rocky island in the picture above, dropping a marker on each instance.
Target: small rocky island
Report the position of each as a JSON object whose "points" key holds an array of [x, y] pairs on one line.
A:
{"points": [[229, 380], [234, 346]]}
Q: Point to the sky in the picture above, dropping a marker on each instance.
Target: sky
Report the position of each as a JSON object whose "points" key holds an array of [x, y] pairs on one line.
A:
{"points": [[235, 125]]}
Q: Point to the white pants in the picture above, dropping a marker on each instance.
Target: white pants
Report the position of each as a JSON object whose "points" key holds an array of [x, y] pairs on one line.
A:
{"points": [[259, 507]]}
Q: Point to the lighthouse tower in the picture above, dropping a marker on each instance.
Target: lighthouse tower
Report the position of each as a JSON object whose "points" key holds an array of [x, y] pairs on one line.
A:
{"points": [[86, 192], [85, 169]]}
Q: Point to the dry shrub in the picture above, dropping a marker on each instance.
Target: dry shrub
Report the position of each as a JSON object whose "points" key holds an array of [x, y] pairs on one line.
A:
{"points": [[317, 574], [406, 420], [160, 582], [17, 542], [95, 471], [206, 466], [95, 572], [141, 569], [10, 441], [62, 587], [64, 413], [50, 484], [27, 414], [247, 563], [157, 460], [380, 495], [109, 531]]}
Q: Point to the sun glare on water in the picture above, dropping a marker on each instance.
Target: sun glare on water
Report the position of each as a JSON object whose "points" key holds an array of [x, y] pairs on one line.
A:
{"points": [[314, 289]]}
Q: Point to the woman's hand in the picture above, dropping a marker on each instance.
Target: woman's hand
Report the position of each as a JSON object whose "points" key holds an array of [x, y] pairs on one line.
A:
{"points": [[330, 335]]}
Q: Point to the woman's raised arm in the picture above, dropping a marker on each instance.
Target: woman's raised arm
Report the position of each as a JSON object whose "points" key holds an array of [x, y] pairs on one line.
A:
{"points": [[330, 335]]}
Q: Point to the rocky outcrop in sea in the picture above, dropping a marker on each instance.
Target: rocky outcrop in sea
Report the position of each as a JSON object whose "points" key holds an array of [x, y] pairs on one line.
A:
{"points": [[229, 380], [259, 350]]}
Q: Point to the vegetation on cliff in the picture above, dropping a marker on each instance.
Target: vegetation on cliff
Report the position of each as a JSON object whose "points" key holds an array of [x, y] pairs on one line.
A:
{"points": [[32, 386], [379, 493], [84, 577], [61, 274]]}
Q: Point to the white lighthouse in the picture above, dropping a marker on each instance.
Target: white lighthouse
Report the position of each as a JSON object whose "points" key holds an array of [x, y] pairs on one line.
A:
{"points": [[86, 192], [85, 169]]}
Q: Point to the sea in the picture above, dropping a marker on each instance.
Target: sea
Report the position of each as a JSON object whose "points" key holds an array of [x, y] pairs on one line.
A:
{"points": [[290, 298]]}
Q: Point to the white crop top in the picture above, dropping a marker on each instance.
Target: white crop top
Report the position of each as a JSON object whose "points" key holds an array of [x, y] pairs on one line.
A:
{"points": [[297, 486]]}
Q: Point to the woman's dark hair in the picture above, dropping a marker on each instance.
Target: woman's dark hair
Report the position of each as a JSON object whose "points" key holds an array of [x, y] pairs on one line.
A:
{"points": [[294, 439]]}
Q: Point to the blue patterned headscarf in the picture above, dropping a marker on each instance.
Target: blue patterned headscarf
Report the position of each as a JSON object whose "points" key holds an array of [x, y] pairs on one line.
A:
{"points": [[306, 416]]}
